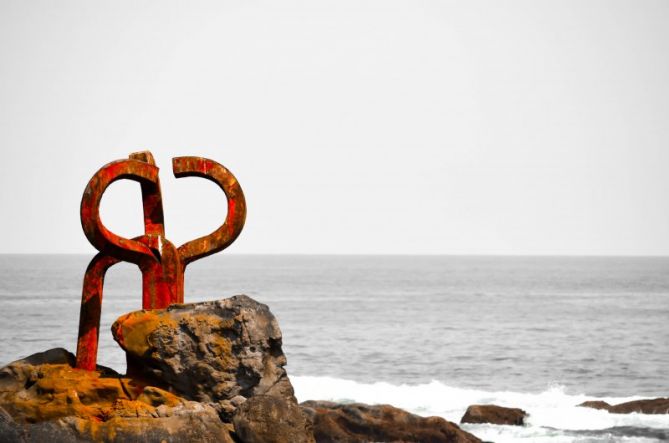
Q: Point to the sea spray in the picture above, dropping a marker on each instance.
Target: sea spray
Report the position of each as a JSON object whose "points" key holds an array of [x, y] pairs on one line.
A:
{"points": [[553, 413]]}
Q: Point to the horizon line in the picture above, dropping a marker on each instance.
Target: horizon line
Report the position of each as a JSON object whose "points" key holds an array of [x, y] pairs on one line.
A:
{"points": [[392, 254]]}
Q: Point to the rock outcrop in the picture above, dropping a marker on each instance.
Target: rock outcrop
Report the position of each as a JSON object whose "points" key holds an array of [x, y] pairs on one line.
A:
{"points": [[596, 404], [493, 414], [358, 423], [43, 398], [647, 406], [270, 419], [219, 353], [202, 372]]}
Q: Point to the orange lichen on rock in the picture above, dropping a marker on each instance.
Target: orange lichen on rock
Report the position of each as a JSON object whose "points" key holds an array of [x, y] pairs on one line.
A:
{"points": [[158, 397], [58, 390], [46, 394], [133, 331], [220, 346]]}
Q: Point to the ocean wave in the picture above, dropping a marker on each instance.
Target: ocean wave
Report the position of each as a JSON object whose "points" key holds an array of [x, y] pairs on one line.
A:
{"points": [[553, 413]]}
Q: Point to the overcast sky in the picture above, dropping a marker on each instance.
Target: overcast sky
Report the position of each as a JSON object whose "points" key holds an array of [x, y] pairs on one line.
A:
{"points": [[353, 126]]}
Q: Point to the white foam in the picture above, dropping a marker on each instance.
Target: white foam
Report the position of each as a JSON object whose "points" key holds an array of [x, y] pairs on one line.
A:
{"points": [[551, 412]]}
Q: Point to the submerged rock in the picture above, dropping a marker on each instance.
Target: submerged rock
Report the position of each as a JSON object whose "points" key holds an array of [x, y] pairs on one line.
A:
{"points": [[596, 404], [357, 423], [646, 406], [493, 414]]}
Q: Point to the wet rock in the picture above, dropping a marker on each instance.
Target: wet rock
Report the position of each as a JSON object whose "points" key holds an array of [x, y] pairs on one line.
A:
{"points": [[269, 419], [493, 414], [646, 406], [219, 352], [43, 398], [357, 423], [596, 404]]}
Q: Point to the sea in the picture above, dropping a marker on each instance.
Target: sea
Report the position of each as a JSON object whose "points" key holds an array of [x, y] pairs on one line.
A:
{"points": [[429, 334]]}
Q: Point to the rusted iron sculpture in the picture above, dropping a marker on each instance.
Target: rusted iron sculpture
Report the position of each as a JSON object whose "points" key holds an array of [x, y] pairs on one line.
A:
{"points": [[162, 264]]}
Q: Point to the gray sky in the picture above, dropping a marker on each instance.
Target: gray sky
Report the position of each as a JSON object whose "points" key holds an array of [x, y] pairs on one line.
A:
{"points": [[353, 126]]}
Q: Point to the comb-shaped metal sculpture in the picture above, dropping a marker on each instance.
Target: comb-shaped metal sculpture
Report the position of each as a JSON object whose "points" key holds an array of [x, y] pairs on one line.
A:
{"points": [[162, 264]]}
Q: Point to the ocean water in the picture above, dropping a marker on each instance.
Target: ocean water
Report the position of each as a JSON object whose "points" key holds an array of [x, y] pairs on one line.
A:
{"points": [[430, 334]]}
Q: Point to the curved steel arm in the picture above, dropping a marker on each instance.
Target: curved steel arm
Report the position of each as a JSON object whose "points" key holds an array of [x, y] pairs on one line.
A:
{"points": [[222, 237], [100, 237]]}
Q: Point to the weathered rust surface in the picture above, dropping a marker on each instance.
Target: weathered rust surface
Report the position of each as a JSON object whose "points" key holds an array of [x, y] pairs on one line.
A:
{"points": [[162, 264]]}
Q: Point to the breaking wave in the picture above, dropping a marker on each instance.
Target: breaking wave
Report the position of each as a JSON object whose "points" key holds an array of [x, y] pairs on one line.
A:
{"points": [[553, 413]]}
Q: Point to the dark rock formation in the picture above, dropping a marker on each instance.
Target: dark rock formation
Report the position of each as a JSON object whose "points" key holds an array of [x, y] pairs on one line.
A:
{"points": [[357, 423], [496, 415], [220, 352], [43, 398], [270, 419], [596, 404], [189, 368], [647, 406], [203, 372]]}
